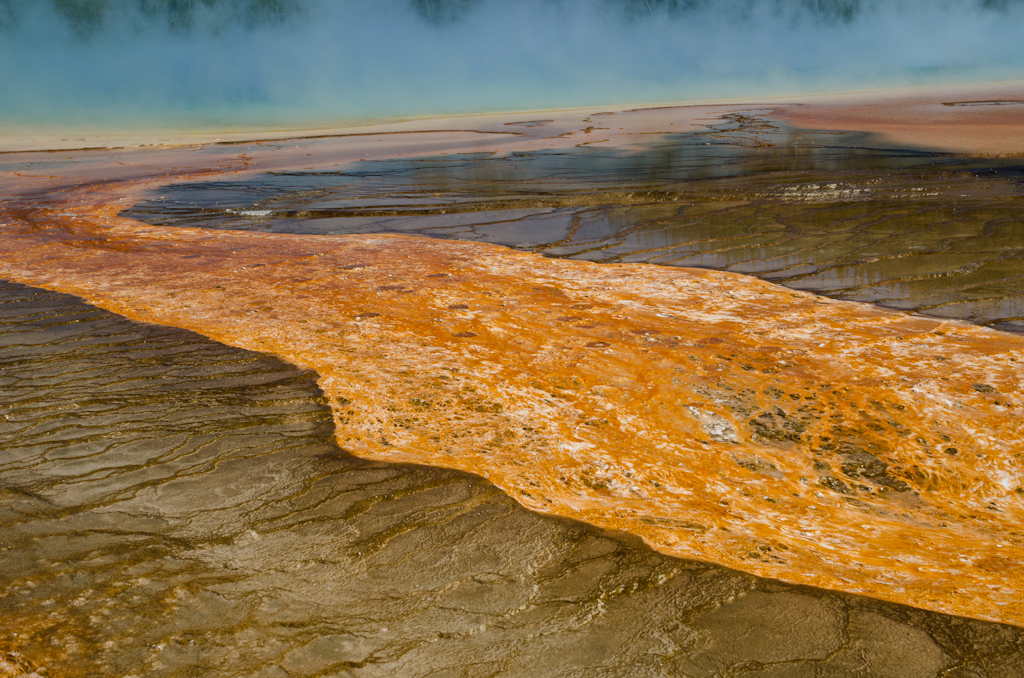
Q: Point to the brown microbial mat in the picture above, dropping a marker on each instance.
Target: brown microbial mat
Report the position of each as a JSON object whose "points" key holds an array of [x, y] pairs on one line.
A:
{"points": [[171, 506]]}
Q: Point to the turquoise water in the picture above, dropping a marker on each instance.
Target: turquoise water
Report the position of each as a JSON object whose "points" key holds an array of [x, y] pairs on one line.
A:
{"points": [[221, 63]]}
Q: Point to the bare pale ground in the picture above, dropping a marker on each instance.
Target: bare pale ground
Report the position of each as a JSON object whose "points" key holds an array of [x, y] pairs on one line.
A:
{"points": [[986, 119], [705, 412], [503, 132]]}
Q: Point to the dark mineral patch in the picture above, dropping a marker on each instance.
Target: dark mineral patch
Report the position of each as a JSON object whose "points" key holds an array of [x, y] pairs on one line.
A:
{"points": [[835, 484], [861, 464], [777, 425]]}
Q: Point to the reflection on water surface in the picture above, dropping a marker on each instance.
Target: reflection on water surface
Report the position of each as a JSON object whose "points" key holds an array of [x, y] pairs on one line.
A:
{"points": [[170, 506], [932, 233]]}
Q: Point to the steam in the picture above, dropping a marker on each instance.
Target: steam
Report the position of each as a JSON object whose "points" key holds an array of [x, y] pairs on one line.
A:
{"points": [[242, 62]]}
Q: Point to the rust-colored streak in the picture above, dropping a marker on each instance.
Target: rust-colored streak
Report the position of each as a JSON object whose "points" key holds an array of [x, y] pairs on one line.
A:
{"points": [[717, 416]]}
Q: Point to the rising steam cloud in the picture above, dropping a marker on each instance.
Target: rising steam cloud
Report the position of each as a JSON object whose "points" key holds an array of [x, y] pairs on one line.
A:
{"points": [[243, 62]]}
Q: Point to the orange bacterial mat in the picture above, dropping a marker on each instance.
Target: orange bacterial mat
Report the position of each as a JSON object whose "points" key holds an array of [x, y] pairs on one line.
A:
{"points": [[717, 416]]}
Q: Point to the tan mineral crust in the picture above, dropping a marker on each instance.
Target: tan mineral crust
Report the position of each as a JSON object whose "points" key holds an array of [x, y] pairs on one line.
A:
{"points": [[978, 120], [718, 417]]}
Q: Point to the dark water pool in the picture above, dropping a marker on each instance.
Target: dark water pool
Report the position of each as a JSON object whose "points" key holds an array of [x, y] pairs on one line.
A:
{"points": [[831, 213]]}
